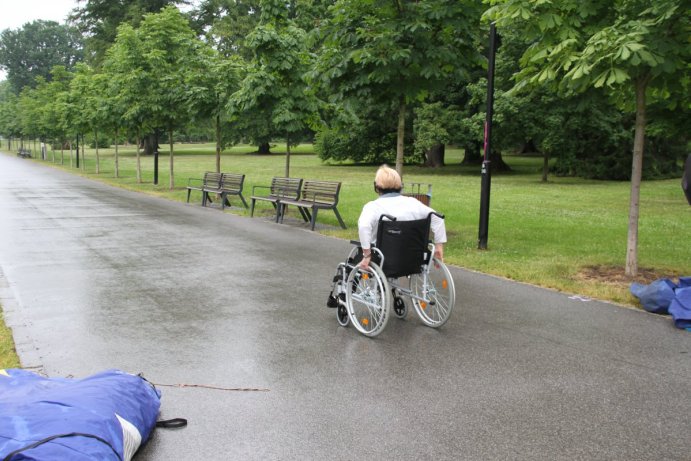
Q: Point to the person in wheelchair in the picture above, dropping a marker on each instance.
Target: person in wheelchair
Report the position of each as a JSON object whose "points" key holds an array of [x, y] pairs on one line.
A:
{"points": [[394, 261], [388, 184]]}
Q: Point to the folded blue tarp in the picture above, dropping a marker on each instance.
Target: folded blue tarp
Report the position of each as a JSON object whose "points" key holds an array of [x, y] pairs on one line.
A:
{"points": [[666, 297], [106, 416], [680, 308]]}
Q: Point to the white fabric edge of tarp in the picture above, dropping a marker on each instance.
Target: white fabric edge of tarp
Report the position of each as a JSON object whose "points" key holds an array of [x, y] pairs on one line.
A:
{"points": [[131, 438]]}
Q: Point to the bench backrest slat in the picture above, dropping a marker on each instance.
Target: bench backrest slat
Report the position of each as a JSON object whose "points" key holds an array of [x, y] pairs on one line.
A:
{"points": [[232, 182], [288, 188], [321, 191], [212, 180]]}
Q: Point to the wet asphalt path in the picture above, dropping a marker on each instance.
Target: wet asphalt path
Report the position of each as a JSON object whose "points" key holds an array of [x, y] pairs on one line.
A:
{"points": [[94, 277]]}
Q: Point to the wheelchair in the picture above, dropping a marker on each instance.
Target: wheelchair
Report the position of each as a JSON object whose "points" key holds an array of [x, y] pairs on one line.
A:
{"points": [[402, 266]]}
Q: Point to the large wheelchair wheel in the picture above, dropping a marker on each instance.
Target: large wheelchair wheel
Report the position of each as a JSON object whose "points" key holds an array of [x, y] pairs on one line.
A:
{"points": [[436, 292], [368, 300]]}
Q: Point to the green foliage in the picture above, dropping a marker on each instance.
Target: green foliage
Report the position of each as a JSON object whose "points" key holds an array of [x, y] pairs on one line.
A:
{"points": [[433, 125], [98, 21], [33, 50], [274, 89], [381, 52]]}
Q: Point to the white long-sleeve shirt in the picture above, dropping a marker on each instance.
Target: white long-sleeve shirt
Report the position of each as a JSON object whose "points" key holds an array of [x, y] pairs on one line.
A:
{"points": [[402, 208]]}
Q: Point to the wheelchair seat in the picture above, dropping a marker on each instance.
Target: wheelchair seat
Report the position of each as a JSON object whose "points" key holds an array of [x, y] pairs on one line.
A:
{"points": [[404, 244]]}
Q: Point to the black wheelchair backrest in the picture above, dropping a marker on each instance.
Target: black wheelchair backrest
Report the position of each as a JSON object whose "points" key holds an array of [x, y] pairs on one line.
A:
{"points": [[404, 245]]}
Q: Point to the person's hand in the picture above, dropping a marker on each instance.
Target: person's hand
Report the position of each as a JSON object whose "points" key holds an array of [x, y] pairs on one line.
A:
{"points": [[364, 264], [439, 251]]}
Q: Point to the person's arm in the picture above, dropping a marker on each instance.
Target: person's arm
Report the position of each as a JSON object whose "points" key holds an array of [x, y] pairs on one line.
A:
{"points": [[365, 231], [439, 232]]}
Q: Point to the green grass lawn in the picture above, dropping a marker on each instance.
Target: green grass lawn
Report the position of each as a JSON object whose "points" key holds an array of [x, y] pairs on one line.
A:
{"points": [[568, 233], [8, 356]]}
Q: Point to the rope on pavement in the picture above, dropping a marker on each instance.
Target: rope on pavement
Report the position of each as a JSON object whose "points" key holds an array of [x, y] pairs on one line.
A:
{"points": [[217, 388]]}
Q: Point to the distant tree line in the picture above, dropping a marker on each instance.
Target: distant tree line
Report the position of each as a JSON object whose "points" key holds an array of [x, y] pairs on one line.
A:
{"points": [[595, 86]]}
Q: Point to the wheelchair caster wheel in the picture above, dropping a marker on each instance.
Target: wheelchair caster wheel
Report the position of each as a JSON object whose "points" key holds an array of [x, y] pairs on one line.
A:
{"points": [[332, 301], [342, 316], [399, 308]]}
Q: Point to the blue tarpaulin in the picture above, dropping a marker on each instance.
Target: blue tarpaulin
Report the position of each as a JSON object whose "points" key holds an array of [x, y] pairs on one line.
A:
{"points": [[106, 416], [666, 297]]}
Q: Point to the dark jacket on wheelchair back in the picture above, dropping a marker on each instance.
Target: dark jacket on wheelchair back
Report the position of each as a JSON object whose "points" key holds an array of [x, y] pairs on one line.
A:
{"points": [[404, 245]]}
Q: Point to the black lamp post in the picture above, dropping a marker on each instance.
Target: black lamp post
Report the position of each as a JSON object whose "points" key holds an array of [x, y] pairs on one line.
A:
{"points": [[486, 167]]}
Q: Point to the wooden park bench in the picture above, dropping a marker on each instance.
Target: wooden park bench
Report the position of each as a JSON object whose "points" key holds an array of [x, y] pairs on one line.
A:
{"points": [[210, 180], [230, 184], [280, 189], [416, 190], [315, 196]]}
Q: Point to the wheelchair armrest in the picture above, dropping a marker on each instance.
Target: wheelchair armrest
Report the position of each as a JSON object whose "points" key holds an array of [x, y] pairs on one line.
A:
{"points": [[437, 214], [387, 216], [355, 242]]}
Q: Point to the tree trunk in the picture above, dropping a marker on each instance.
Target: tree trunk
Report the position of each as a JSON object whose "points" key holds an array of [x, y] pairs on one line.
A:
{"points": [[170, 162], [400, 133], [117, 166], [62, 153], [471, 154], [98, 159], [83, 153], [497, 162], [139, 158], [71, 156], [287, 156], [264, 148], [150, 142], [218, 143], [435, 156], [636, 173], [529, 147], [545, 166]]}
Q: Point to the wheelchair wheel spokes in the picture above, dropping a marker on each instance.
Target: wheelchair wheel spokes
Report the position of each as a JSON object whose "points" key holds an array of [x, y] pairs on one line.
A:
{"points": [[367, 300], [434, 294]]}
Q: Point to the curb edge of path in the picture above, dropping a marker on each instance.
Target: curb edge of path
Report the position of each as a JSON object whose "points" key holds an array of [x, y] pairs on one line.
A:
{"points": [[28, 353]]}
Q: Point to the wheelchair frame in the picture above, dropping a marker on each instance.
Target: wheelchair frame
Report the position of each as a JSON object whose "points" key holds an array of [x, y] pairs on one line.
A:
{"points": [[366, 298]]}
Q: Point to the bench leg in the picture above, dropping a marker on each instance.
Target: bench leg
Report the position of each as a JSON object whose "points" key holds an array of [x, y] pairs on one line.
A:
{"points": [[314, 217], [252, 209], [243, 200], [338, 216], [224, 200], [305, 214], [188, 195], [280, 211]]}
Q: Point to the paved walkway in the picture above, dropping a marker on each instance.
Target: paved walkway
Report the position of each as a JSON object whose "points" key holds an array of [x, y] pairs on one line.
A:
{"points": [[95, 277]]}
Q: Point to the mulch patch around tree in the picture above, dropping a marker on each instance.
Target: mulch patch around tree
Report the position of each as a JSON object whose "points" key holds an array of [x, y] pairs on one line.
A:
{"points": [[614, 275]]}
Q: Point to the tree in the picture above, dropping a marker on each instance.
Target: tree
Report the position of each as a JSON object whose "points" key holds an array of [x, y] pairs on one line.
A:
{"points": [[9, 122], [396, 51], [637, 51], [209, 89], [33, 50], [275, 85], [123, 103], [226, 24], [98, 20], [168, 50]]}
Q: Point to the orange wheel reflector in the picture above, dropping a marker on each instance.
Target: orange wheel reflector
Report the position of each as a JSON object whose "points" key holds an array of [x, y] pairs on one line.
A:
{"points": [[445, 284], [365, 276], [423, 304], [365, 322]]}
